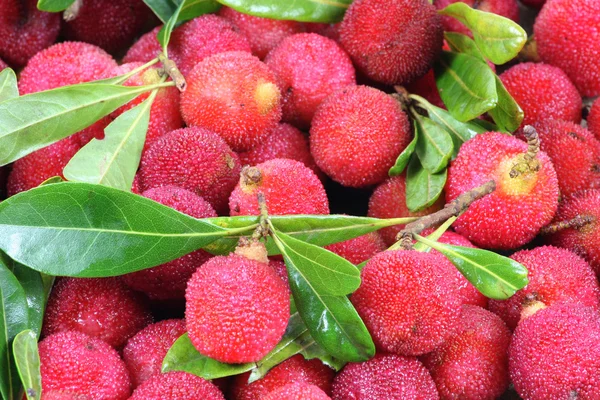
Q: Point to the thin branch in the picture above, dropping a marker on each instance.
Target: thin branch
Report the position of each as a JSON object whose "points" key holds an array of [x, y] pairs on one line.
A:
{"points": [[171, 69], [576, 223]]}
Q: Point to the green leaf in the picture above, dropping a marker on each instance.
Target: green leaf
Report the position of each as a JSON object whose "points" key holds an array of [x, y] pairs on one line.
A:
{"points": [[332, 320], [8, 85], [466, 85], [435, 236], [186, 10], [37, 120], [404, 157], [434, 146], [463, 44], [114, 160], [54, 5], [163, 9], [495, 276], [84, 230], [33, 286], [508, 115], [329, 11], [326, 271], [50, 181], [422, 187], [498, 38], [27, 359], [183, 356]]}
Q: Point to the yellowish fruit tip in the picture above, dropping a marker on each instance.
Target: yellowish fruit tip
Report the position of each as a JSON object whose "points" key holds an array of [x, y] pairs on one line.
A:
{"points": [[266, 96]]}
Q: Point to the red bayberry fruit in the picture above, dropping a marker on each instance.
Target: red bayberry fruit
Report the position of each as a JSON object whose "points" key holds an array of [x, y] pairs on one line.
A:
{"points": [[236, 309], [408, 300], [386, 376], [331, 31], [473, 364], [289, 187], [568, 36], [168, 281], [427, 88], [177, 386], [357, 134], [195, 159], [76, 363], [392, 43], [263, 34], [63, 395], [25, 30], [110, 24], [103, 308], [308, 67], [543, 92], [148, 48], [525, 198], [297, 391], [144, 352], [505, 8], [359, 249], [3, 65], [593, 119], [293, 370], [555, 354]]}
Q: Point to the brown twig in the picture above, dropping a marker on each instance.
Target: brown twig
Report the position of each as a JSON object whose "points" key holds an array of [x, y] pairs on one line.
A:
{"points": [[72, 11], [170, 68], [262, 230], [576, 223], [452, 209], [530, 163]]}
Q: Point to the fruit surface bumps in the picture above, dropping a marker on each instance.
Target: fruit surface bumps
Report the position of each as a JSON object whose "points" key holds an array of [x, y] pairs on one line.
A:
{"points": [[409, 301], [297, 391], [392, 42], [237, 309], [359, 249], [514, 212], [357, 134], [593, 119], [177, 386], [235, 95]]}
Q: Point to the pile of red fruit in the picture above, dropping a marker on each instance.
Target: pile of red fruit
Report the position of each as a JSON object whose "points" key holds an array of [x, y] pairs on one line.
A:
{"points": [[287, 110]]}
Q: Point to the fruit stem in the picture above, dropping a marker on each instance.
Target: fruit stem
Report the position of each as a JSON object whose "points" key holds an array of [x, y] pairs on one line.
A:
{"points": [[170, 68], [72, 11], [262, 230], [452, 209], [531, 163], [576, 223], [402, 96]]}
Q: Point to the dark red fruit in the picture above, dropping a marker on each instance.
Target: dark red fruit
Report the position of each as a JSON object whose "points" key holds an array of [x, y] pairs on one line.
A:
{"points": [[297, 391], [593, 119], [177, 386], [148, 48], [505, 8], [3, 65], [359, 249]]}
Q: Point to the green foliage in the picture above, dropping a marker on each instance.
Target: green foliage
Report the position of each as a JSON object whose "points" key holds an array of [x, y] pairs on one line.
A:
{"points": [[27, 360], [422, 187], [8, 85], [54, 5], [296, 10], [163, 9], [404, 157], [434, 146], [175, 12]]}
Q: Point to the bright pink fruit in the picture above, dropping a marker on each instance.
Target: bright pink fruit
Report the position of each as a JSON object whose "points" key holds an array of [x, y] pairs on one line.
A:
{"points": [[593, 119], [177, 386], [297, 391], [63, 395], [359, 249]]}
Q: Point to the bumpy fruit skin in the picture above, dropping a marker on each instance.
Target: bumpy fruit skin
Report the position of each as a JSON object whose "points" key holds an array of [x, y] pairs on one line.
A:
{"points": [[575, 154], [63, 395], [408, 301], [359, 249], [356, 135], [389, 201], [593, 119], [65, 63], [293, 370], [164, 112], [392, 43], [425, 87], [77, 363], [555, 354], [297, 391], [505, 8], [308, 67], [144, 353], [285, 141], [584, 241], [386, 376], [263, 34], [473, 364], [235, 95], [177, 386], [99, 307], [555, 276], [3, 65], [236, 309], [543, 92], [331, 31], [168, 281], [195, 159], [568, 36], [25, 30], [147, 48], [289, 187], [518, 208], [110, 24]]}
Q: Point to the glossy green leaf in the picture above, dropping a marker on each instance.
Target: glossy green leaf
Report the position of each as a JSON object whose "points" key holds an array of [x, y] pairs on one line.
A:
{"points": [[54, 5], [463, 44], [326, 271], [329, 11], [487, 126], [164, 35], [404, 157], [50, 181], [32, 283], [332, 320], [422, 187], [507, 115], [185, 10], [434, 146], [466, 85], [495, 276], [8, 85], [163, 9], [435, 236], [84, 230], [37, 120], [114, 160], [183, 356], [498, 38], [27, 360]]}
